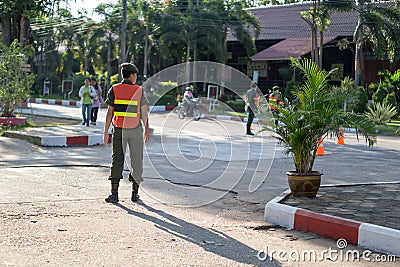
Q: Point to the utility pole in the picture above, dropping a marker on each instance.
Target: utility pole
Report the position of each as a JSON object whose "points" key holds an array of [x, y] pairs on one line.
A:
{"points": [[123, 55], [146, 47]]}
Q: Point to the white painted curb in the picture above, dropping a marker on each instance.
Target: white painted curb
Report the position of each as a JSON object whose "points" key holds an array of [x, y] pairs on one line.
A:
{"points": [[155, 109], [96, 139], [53, 141], [280, 214], [65, 103], [379, 238]]}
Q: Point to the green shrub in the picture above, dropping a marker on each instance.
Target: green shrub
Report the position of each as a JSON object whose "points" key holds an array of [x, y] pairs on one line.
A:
{"points": [[237, 106], [381, 113], [290, 88], [390, 99], [346, 94], [166, 86], [372, 87], [360, 105], [380, 94], [165, 100], [14, 83]]}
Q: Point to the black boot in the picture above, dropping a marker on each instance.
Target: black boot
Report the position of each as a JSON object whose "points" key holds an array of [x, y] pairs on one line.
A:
{"points": [[135, 192], [113, 198]]}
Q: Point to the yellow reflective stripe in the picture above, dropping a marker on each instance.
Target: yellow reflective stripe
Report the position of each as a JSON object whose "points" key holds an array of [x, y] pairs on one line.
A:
{"points": [[125, 102], [125, 114]]}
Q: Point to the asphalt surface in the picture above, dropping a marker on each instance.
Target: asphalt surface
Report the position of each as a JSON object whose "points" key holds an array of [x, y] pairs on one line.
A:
{"points": [[204, 190]]}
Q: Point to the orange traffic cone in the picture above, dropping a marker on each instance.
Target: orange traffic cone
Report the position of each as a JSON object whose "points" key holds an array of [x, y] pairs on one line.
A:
{"points": [[340, 136], [320, 148]]}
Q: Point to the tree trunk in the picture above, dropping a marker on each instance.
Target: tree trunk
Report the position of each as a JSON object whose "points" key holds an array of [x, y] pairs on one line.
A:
{"points": [[357, 63], [357, 54], [25, 31], [314, 49], [187, 64], [122, 56], [194, 60], [321, 47], [6, 29], [146, 51], [108, 62]]}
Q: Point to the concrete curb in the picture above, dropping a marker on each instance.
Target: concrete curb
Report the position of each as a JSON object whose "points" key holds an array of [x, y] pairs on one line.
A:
{"points": [[369, 236], [158, 109], [61, 141], [92, 139], [224, 117], [77, 104], [66, 103]]}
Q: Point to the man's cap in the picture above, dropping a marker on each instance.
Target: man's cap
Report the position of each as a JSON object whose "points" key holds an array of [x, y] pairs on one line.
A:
{"points": [[129, 67], [275, 88]]}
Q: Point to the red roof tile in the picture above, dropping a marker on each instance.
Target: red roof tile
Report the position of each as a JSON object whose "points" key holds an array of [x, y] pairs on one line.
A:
{"points": [[282, 22], [291, 47]]}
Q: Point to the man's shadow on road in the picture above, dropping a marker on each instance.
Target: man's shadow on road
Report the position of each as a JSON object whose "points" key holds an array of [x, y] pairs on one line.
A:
{"points": [[210, 240]]}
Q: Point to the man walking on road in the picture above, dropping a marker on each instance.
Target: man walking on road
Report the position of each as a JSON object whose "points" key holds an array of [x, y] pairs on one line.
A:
{"points": [[127, 109], [86, 93], [251, 95]]}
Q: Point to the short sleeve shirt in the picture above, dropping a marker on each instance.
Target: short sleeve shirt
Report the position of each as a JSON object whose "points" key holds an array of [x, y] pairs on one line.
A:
{"points": [[110, 96], [251, 94], [86, 97]]}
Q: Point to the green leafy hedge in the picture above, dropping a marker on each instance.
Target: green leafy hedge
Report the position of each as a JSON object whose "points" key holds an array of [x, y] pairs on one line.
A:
{"points": [[236, 105]]}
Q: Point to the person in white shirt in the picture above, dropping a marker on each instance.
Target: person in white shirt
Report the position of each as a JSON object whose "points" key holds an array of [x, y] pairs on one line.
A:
{"points": [[187, 99], [87, 94]]}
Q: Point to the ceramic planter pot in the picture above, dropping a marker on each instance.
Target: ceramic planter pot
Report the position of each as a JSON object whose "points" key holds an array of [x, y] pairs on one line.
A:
{"points": [[304, 184]]}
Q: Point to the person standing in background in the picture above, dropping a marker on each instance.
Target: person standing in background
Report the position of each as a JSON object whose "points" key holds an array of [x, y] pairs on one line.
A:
{"points": [[251, 96], [275, 101], [86, 93], [96, 102]]}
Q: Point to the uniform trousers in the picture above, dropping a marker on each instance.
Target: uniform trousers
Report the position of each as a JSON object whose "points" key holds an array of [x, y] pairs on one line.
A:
{"points": [[133, 139]]}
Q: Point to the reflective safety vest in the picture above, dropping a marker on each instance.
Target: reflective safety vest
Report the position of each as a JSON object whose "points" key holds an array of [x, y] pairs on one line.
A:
{"points": [[127, 105], [273, 101]]}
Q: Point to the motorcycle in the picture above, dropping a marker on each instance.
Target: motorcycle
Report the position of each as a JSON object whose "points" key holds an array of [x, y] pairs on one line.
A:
{"points": [[189, 108]]}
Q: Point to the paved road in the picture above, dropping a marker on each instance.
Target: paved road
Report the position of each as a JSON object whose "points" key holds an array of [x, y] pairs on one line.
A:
{"points": [[52, 209]]}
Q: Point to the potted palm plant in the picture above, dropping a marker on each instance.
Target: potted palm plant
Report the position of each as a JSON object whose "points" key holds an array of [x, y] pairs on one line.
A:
{"points": [[312, 114]]}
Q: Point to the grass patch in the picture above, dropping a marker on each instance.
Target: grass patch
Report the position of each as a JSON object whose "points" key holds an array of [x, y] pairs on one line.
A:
{"points": [[238, 114], [4, 129], [394, 123], [56, 97], [388, 129]]}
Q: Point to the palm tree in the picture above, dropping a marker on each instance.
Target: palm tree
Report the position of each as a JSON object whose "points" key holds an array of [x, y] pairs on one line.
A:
{"points": [[241, 22], [378, 23], [111, 25], [205, 20], [317, 17]]}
